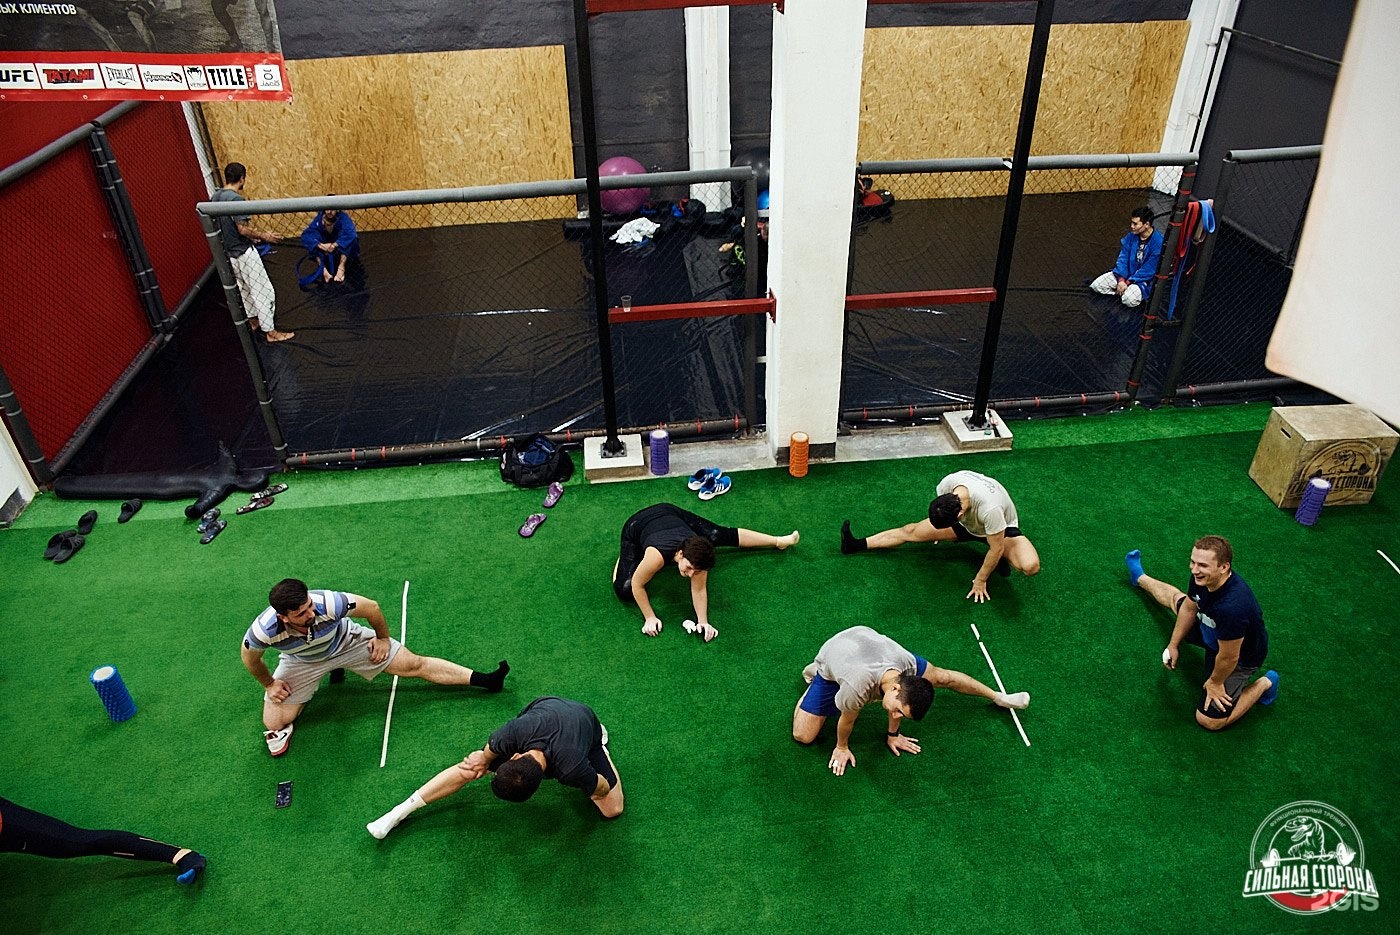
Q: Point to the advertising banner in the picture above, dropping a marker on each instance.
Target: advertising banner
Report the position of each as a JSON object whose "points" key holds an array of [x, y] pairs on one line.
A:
{"points": [[152, 50]]}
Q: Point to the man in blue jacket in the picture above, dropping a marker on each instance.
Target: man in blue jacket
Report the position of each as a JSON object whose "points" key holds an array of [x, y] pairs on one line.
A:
{"points": [[1131, 277]]}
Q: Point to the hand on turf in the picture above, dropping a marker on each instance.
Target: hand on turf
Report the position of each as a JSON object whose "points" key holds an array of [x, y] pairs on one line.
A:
{"points": [[840, 759], [979, 591], [1169, 657], [706, 631], [900, 743], [652, 627], [279, 691], [1216, 696], [378, 650]]}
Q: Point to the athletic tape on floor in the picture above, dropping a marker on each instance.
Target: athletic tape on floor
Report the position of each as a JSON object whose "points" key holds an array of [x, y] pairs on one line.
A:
{"points": [[1000, 687], [394, 685]]}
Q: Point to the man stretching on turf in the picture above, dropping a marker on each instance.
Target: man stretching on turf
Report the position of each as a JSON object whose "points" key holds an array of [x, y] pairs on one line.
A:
{"points": [[969, 507], [662, 535], [858, 666], [313, 633], [1220, 613], [552, 738]]}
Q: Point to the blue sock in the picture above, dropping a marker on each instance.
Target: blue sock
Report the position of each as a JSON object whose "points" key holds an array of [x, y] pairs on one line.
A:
{"points": [[1134, 562], [1269, 696]]}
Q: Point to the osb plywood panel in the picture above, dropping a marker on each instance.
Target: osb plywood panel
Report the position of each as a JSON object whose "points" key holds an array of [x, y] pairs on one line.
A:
{"points": [[948, 91], [401, 122]]}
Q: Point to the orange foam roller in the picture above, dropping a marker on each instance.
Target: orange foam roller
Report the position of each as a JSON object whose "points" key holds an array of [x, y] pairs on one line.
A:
{"points": [[797, 454]]}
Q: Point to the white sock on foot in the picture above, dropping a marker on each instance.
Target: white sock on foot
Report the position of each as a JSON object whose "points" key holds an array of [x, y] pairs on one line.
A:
{"points": [[381, 826], [1019, 701]]}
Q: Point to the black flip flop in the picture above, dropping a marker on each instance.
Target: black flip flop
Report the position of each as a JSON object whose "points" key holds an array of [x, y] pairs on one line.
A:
{"points": [[87, 521], [256, 504], [68, 548], [59, 538], [129, 509]]}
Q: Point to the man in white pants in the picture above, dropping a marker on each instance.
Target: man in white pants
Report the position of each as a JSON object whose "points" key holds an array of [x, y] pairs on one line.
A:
{"points": [[1131, 277], [240, 242]]}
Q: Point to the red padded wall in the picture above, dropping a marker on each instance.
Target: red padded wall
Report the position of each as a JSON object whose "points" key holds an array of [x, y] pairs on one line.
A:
{"points": [[156, 156], [70, 322]]}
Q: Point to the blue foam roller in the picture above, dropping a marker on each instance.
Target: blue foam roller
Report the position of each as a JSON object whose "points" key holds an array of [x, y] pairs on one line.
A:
{"points": [[1314, 496], [112, 690], [660, 452]]}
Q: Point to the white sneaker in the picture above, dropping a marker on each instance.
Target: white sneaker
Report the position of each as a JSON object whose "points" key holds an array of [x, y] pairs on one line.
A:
{"points": [[279, 740]]}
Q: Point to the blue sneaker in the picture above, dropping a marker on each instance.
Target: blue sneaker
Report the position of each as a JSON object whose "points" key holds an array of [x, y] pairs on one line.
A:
{"points": [[1269, 696], [698, 479], [1134, 562], [715, 486]]}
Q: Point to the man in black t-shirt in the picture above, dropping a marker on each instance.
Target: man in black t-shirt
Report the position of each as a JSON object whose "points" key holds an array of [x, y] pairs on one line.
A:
{"points": [[1220, 613], [663, 534], [552, 738]]}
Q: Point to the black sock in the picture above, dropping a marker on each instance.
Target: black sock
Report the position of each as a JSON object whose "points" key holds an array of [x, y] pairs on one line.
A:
{"points": [[849, 543], [491, 681]]}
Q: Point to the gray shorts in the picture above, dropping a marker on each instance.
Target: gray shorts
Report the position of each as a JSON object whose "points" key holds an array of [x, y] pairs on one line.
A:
{"points": [[1235, 684], [304, 677]]}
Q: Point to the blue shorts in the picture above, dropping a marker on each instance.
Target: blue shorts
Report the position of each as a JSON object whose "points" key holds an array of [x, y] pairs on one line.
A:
{"points": [[820, 697]]}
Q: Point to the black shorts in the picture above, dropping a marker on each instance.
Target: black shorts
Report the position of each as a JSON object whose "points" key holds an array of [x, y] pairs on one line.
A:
{"points": [[959, 530], [598, 759], [632, 549]]}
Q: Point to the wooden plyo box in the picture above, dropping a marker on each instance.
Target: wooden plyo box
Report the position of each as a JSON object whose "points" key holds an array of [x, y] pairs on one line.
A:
{"points": [[1346, 445]]}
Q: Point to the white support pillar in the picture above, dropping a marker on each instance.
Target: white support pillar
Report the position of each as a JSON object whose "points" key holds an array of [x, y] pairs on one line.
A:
{"points": [[707, 93], [1187, 112], [818, 49]]}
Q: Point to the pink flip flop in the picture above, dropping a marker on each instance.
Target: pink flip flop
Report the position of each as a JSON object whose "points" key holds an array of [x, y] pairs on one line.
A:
{"points": [[531, 524]]}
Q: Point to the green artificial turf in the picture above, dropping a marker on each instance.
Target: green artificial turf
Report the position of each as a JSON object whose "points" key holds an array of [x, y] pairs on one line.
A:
{"points": [[1122, 815]]}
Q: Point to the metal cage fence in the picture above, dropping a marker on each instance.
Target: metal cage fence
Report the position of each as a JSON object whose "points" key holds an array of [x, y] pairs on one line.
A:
{"points": [[467, 314], [1260, 204], [936, 225]]}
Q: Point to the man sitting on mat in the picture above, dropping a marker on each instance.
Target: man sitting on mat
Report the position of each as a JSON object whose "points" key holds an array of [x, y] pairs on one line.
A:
{"points": [[1220, 613], [314, 634], [969, 507], [858, 666], [662, 535], [1131, 277], [552, 738], [332, 241]]}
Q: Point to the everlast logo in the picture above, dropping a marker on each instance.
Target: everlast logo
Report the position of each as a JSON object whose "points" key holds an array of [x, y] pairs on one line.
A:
{"points": [[18, 75], [227, 77], [120, 75], [70, 75]]}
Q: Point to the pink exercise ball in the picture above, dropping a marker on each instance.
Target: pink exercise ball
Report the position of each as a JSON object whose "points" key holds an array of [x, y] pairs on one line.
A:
{"points": [[622, 200]]}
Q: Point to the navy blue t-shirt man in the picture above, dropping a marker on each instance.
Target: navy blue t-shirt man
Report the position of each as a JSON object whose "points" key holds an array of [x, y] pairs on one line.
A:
{"points": [[1219, 612]]}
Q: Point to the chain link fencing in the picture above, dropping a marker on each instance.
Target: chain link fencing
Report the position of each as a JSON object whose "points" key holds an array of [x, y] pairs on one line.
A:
{"points": [[468, 315], [938, 226], [1260, 203]]}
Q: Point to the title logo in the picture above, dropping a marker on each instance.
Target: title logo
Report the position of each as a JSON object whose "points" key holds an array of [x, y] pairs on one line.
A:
{"points": [[227, 77], [1307, 858]]}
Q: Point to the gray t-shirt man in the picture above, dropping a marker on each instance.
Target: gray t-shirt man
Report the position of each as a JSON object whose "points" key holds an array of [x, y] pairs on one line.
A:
{"points": [[856, 659], [989, 509], [234, 242]]}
